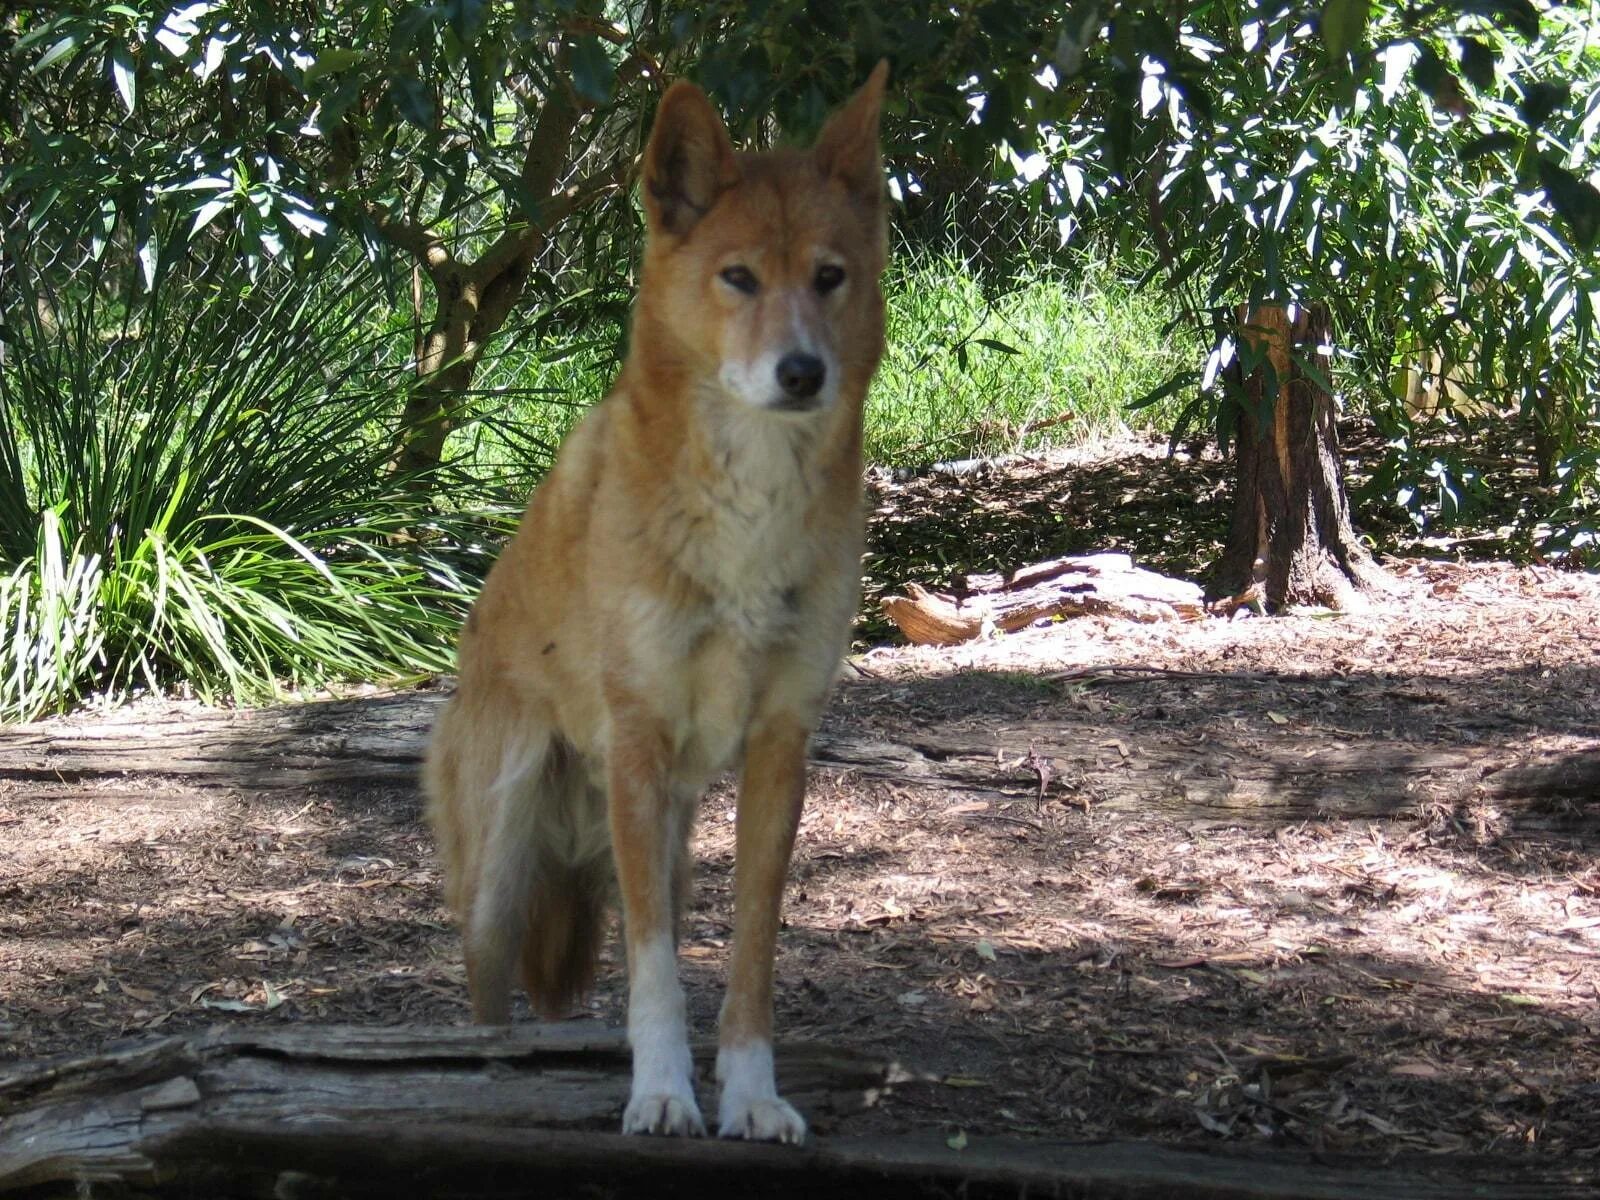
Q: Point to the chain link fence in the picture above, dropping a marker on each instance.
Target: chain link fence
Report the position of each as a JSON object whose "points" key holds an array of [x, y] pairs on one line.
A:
{"points": [[996, 232], [953, 210]]}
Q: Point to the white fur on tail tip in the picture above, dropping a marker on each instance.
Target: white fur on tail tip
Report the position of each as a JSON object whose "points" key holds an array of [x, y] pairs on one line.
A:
{"points": [[662, 1101], [751, 1107]]}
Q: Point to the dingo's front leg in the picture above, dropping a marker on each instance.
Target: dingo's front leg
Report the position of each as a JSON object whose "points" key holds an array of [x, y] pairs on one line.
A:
{"points": [[770, 796], [646, 831]]}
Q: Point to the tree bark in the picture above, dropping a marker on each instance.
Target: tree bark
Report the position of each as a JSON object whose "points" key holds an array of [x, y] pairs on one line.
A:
{"points": [[1291, 541], [448, 357]]}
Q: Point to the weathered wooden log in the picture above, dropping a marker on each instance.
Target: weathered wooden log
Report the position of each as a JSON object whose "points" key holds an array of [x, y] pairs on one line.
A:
{"points": [[1265, 773], [309, 1112], [373, 740], [117, 1115], [1107, 584]]}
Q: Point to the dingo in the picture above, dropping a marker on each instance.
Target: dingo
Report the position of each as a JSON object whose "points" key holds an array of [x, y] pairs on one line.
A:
{"points": [[677, 598]]}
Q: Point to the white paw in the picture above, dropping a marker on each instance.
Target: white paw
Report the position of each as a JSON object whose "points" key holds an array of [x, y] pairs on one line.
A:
{"points": [[760, 1119], [667, 1114]]}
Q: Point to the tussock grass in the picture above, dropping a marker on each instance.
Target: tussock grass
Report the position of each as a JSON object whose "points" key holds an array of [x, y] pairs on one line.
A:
{"points": [[194, 481], [194, 490]]}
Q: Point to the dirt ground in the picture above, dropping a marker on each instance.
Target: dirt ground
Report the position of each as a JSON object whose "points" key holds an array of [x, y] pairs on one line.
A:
{"points": [[1322, 881]]}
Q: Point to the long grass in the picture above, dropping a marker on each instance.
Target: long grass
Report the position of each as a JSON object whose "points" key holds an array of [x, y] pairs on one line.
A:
{"points": [[1050, 358], [194, 490], [542, 376], [1054, 357]]}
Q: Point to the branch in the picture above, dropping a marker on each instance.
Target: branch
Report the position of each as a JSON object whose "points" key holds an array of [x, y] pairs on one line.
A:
{"points": [[425, 246], [580, 195], [522, 239], [551, 139], [602, 29], [542, 164], [639, 63]]}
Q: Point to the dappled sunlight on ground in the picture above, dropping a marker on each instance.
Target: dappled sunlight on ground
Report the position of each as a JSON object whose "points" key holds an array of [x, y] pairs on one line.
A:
{"points": [[1323, 881]]}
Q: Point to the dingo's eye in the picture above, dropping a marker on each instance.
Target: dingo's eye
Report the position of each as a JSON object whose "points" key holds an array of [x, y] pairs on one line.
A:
{"points": [[742, 278], [829, 277]]}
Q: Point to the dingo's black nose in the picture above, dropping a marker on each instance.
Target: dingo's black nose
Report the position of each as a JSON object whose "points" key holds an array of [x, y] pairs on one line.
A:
{"points": [[800, 375]]}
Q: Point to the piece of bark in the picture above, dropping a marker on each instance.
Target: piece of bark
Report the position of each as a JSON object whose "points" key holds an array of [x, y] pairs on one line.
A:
{"points": [[1107, 584]]}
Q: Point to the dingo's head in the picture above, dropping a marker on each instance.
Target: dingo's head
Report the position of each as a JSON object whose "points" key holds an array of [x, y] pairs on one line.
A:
{"points": [[762, 270]]}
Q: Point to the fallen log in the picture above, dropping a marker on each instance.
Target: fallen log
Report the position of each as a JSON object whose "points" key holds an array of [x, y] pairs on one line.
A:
{"points": [[149, 1115], [1105, 584], [1249, 773], [325, 1112]]}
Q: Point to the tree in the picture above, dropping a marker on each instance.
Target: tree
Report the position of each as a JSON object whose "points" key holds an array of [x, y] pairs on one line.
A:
{"points": [[1421, 172], [1290, 540], [452, 134], [1340, 194], [477, 140]]}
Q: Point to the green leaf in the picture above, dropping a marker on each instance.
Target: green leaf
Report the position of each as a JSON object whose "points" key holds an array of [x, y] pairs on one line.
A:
{"points": [[42, 206], [209, 211], [149, 257], [1073, 175], [1521, 15], [992, 344], [408, 27], [1490, 143], [57, 52], [333, 60], [592, 71], [122, 73], [1576, 200], [1344, 27], [1429, 72], [413, 100], [1118, 135], [1182, 379], [467, 18]]}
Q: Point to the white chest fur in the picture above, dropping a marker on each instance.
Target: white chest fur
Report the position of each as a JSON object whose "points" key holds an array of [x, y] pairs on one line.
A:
{"points": [[750, 545]]}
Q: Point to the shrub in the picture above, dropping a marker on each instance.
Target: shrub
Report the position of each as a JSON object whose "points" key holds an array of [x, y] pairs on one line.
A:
{"points": [[194, 487]]}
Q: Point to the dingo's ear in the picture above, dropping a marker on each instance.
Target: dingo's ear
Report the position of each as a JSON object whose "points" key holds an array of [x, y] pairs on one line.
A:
{"points": [[847, 147], [688, 163]]}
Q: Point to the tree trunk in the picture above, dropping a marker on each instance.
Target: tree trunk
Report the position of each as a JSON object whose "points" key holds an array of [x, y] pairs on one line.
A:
{"points": [[470, 306], [1291, 541], [473, 299]]}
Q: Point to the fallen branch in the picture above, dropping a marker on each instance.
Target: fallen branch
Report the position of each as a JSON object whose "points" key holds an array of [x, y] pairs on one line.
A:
{"points": [[158, 1116], [1104, 584], [1134, 670]]}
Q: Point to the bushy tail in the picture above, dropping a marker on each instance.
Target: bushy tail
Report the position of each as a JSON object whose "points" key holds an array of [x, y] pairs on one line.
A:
{"points": [[527, 856], [566, 924]]}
